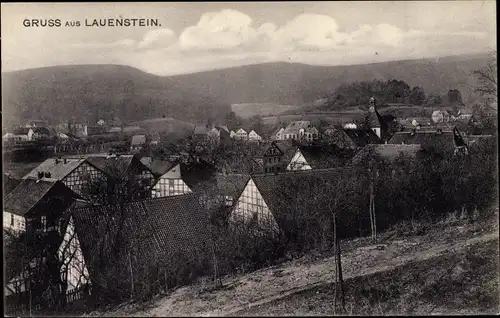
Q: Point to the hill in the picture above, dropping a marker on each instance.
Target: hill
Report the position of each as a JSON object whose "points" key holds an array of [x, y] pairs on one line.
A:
{"points": [[106, 91], [91, 92], [295, 84]]}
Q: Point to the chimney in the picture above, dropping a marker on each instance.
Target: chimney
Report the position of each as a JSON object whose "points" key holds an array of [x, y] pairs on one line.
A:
{"points": [[56, 161], [413, 131], [40, 174], [47, 174], [439, 131], [65, 160]]}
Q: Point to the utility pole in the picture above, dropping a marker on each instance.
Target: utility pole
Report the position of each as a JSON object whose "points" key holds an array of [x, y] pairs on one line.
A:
{"points": [[339, 280]]}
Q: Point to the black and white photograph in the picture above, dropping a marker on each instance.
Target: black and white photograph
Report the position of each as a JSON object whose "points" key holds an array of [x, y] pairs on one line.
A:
{"points": [[322, 158]]}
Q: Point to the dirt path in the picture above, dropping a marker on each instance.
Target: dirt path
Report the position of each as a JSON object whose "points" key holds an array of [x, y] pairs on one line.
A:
{"points": [[274, 283]]}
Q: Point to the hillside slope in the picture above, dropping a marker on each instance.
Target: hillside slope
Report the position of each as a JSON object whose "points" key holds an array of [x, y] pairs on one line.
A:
{"points": [[90, 92]]}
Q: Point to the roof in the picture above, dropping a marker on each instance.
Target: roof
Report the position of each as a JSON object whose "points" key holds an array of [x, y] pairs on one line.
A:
{"points": [[163, 227], [157, 166], [41, 130], [194, 174], [138, 140], [231, 184], [21, 131], [58, 168], [336, 135], [241, 131], [324, 156], [386, 151], [31, 193], [294, 126], [200, 130], [103, 163], [131, 128], [362, 137], [115, 129], [280, 202], [9, 183], [224, 128], [426, 139]]}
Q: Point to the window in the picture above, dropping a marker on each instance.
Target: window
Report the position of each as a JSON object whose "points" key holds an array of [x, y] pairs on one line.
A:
{"points": [[44, 222], [12, 220]]}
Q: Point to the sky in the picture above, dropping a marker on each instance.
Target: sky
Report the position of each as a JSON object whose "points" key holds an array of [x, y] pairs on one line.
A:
{"points": [[203, 36]]}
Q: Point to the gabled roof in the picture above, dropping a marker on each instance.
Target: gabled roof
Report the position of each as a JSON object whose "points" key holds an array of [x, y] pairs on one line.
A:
{"points": [[224, 128], [362, 137], [157, 166], [31, 193], [115, 129], [9, 183], [336, 135], [138, 140], [253, 132], [241, 131], [294, 126], [58, 168], [324, 157], [273, 187], [386, 151], [427, 139], [160, 227], [200, 130], [122, 163], [231, 184]]}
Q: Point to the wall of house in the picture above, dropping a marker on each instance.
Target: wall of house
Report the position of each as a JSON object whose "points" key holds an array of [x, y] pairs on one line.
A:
{"points": [[78, 177], [167, 186], [251, 206], [377, 132], [14, 222], [298, 162], [74, 270]]}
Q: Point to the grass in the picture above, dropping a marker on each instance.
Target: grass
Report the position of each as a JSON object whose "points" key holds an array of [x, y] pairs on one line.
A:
{"points": [[458, 282], [261, 109]]}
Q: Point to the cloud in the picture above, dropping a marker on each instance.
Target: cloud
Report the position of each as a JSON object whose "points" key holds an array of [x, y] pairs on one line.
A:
{"points": [[157, 38]]}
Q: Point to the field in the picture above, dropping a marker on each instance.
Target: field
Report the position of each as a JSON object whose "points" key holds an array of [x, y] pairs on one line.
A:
{"points": [[164, 125], [261, 109]]}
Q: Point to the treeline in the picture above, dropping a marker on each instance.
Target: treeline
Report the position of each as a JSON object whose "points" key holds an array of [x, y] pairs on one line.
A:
{"points": [[386, 92]]}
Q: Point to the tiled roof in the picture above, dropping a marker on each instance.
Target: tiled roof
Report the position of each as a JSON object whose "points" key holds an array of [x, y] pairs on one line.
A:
{"points": [[324, 157], [200, 130], [337, 136], [162, 227], [138, 140], [293, 127], [386, 151], [231, 184], [194, 174], [9, 183], [273, 187], [362, 137], [427, 139], [33, 193], [58, 168], [157, 166], [122, 163]]}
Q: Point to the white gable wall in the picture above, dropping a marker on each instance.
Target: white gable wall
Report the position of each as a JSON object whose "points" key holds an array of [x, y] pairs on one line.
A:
{"points": [[298, 162], [170, 183], [73, 270], [251, 205], [14, 222]]}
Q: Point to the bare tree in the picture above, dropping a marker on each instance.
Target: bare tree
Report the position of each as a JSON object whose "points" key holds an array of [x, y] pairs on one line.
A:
{"points": [[487, 78]]}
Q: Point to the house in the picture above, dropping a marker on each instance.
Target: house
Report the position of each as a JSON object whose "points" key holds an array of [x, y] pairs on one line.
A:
{"points": [[276, 156], [122, 165], [95, 130], [155, 139], [23, 134], [72, 172], [241, 134], [36, 123], [376, 122], [157, 166], [133, 130], [222, 190], [279, 134], [36, 204], [62, 136], [215, 134], [362, 137], [440, 116], [335, 135], [438, 140], [115, 130], [101, 122], [8, 136], [254, 137], [153, 230], [350, 126], [170, 183], [317, 157], [232, 134], [300, 130], [138, 142], [268, 200], [386, 152]]}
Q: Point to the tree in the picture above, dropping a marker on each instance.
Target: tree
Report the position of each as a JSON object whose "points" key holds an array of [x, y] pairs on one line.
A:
{"points": [[454, 96], [487, 81], [417, 95]]}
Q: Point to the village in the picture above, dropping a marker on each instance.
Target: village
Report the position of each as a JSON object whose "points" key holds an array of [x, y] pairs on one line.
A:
{"points": [[172, 192]]}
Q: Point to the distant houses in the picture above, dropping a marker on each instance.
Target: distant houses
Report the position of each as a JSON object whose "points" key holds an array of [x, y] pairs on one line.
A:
{"points": [[241, 135], [300, 130], [28, 134], [138, 143], [317, 157], [254, 137]]}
